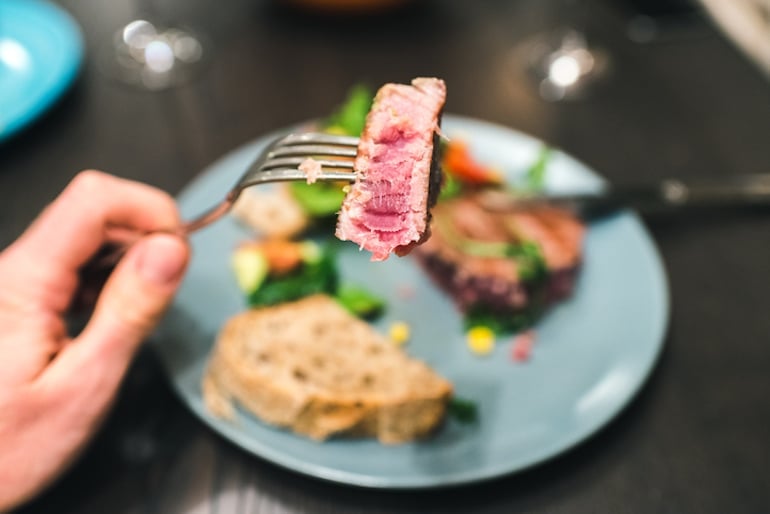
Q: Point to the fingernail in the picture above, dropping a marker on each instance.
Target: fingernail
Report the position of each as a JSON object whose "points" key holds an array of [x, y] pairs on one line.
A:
{"points": [[162, 260]]}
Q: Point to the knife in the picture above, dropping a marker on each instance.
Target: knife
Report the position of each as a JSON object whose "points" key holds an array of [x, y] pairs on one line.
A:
{"points": [[666, 195]]}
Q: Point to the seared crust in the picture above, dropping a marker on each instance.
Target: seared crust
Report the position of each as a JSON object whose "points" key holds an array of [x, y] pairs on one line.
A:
{"points": [[311, 367]]}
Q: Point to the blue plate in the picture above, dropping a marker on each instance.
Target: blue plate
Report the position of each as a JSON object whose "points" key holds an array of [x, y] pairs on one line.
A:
{"points": [[41, 49], [592, 353]]}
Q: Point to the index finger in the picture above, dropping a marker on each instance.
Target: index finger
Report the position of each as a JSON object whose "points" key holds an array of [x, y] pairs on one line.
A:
{"points": [[75, 225]]}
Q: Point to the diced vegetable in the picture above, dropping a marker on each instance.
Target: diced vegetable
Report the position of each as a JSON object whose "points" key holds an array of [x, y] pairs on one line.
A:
{"points": [[282, 255], [460, 163], [250, 267], [522, 345], [310, 251], [310, 278], [399, 332], [359, 301], [481, 340]]}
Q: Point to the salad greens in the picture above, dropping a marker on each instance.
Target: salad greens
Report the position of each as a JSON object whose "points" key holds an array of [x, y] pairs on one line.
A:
{"points": [[320, 199], [359, 301], [481, 316], [350, 117], [275, 272], [306, 279], [323, 199]]}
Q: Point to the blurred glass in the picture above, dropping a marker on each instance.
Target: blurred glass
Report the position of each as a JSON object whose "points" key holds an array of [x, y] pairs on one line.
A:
{"points": [[563, 61], [150, 55]]}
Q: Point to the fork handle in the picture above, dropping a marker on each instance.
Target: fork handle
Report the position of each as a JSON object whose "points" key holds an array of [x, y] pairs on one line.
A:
{"points": [[110, 253]]}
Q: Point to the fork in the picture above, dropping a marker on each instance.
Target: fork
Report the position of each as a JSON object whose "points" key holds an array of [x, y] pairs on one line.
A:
{"points": [[279, 161]]}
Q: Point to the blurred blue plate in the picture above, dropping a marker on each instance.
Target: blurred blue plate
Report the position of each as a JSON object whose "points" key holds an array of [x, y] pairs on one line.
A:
{"points": [[592, 354], [41, 48]]}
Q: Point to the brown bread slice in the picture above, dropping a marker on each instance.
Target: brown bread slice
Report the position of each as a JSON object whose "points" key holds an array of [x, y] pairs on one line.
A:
{"points": [[312, 367]]}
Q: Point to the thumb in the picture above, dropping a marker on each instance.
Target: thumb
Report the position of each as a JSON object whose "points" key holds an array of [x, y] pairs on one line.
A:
{"points": [[137, 294], [130, 305]]}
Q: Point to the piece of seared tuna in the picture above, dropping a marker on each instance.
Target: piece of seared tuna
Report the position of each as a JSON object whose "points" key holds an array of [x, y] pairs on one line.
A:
{"points": [[503, 263], [387, 209]]}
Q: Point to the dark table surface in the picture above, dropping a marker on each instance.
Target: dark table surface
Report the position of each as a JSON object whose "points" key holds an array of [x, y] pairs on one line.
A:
{"points": [[685, 103]]}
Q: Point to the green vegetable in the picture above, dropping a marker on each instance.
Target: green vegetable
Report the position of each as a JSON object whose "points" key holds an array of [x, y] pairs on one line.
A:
{"points": [[535, 176], [530, 263], [359, 301], [250, 267], [463, 410], [311, 252], [500, 324], [451, 188], [527, 255], [311, 278], [318, 200], [350, 117]]}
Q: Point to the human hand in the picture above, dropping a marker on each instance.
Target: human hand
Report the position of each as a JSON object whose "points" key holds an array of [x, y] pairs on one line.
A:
{"points": [[54, 389]]}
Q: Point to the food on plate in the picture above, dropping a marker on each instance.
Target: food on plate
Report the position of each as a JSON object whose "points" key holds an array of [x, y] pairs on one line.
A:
{"points": [[274, 271], [502, 268], [312, 367], [397, 170], [287, 210], [271, 212], [312, 169]]}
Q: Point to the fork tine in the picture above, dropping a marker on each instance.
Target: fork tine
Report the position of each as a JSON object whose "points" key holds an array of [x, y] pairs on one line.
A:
{"points": [[317, 138], [346, 164], [311, 150]]}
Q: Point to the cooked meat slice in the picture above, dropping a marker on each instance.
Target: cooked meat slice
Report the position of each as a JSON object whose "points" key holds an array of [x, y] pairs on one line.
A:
{"points": [[466, 254], [387, 208]]}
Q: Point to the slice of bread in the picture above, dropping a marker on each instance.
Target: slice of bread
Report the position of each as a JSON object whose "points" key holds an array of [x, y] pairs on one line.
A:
{"points": [[312, 367]]}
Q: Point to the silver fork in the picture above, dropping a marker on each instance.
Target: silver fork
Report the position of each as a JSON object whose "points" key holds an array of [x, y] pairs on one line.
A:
{"points": [[278, 162]]}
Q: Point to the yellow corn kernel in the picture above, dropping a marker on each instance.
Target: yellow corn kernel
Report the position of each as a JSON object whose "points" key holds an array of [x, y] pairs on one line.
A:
{"points": [[480, 340], [399, 332]]}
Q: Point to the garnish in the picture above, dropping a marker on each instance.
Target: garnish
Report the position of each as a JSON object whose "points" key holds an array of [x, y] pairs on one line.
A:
{"points": [[399, 332], [320, 199], [359, 301], [463, 410], [535, 176], [350, 117], [450, 188], [480, 340], [459, 162], [522, 345], [500, 323]]}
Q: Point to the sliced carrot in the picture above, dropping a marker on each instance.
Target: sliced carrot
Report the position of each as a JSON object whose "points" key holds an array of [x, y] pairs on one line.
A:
{"points": [[459, 162], [282, 256]]}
